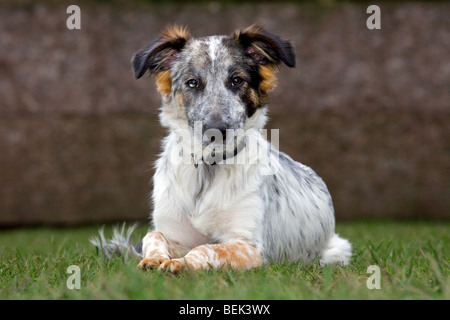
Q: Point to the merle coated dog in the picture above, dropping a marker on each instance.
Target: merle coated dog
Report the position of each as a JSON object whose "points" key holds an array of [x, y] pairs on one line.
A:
{"points": [[224, 196]]}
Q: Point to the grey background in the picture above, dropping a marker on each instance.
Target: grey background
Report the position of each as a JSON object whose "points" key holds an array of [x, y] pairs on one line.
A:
{"points": [[368, 110]]}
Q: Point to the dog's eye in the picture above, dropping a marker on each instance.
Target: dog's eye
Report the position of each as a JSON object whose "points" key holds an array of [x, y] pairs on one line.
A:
{"points": [[236, 81], [192, 83]]}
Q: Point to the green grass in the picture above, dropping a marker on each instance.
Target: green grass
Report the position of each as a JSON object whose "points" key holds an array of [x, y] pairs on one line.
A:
{"points": [[413, 258]]}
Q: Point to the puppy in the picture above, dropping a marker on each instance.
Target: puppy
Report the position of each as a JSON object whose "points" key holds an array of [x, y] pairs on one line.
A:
{"points": [[224, 196]]}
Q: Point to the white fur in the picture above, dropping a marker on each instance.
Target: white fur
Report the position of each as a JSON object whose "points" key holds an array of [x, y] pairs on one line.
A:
{"points": [[214, 47], [196, 205], [337, 251], [257, 206]]}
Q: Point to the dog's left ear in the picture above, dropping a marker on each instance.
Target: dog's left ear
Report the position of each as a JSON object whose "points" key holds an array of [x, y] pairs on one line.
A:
{"points": [[265, 47], [161, 53]]}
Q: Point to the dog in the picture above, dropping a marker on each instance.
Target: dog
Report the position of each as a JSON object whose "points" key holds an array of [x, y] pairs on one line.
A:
{"points": [[224, 199]]}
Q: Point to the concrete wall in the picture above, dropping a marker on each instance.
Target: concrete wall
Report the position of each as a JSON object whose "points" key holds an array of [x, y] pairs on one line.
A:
{"points": [[369, 110]]}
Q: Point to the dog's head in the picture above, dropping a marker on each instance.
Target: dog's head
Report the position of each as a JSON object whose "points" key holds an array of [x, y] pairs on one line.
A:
{"points": [[219, 83]]}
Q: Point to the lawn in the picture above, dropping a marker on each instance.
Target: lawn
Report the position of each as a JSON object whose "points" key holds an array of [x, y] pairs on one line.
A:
{"points": [[413, 259]]}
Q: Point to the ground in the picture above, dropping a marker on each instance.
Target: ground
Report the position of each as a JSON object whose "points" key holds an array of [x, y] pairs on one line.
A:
{"points": [[413, 259]]}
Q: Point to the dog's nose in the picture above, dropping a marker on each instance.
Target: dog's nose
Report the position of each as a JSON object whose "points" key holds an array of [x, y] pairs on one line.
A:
{"points": [[218, 127]]}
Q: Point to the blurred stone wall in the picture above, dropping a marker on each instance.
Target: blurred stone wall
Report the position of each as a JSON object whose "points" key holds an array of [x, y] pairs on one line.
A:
{"points": [[368, 110]]}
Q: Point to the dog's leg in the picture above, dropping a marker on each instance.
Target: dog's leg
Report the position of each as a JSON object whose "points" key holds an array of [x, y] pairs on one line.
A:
{"points": [[235, 254], [155, 249]]}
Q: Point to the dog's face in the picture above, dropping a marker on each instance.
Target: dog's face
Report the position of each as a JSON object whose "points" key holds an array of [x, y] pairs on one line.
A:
{"points": [[216, 83]]}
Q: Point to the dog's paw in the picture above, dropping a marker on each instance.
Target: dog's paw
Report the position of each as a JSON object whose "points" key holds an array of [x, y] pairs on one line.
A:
{"points": [[151, 263], [174, 266]]}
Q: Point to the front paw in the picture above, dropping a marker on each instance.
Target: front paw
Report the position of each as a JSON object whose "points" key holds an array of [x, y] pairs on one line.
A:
{"points": [[174, 266], [151, 263]]}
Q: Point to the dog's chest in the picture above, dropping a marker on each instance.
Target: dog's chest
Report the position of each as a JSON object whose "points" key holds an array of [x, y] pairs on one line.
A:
{"points": [[214, 196]]}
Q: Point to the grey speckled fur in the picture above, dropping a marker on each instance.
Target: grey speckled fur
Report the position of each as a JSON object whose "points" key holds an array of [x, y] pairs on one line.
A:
{"points": [[217, 81]]}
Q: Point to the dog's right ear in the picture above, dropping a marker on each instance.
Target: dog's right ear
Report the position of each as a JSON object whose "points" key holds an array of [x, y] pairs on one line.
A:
{"points": [[160, 54], [265, 48]]}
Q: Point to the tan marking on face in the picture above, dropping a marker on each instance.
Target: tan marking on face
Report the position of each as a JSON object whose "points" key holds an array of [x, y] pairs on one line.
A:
{"points": [[254, 97], [268, 78], [179, 101], [240, 73], [164, 82]]}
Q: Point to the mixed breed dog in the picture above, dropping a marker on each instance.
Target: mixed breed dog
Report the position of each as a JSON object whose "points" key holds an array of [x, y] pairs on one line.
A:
{"points": [[223, 196]]}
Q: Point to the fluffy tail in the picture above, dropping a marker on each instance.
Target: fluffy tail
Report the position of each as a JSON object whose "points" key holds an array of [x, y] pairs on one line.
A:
{"points": [[337, 251], [119, 245]]}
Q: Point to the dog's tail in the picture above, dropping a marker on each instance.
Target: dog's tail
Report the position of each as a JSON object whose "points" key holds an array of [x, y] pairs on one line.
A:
{"points": [[337, 251], [119, 245]]}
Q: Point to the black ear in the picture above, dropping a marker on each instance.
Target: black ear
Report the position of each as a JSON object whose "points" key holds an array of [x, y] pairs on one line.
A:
{"points": [[265, 47], [159, 55]]}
